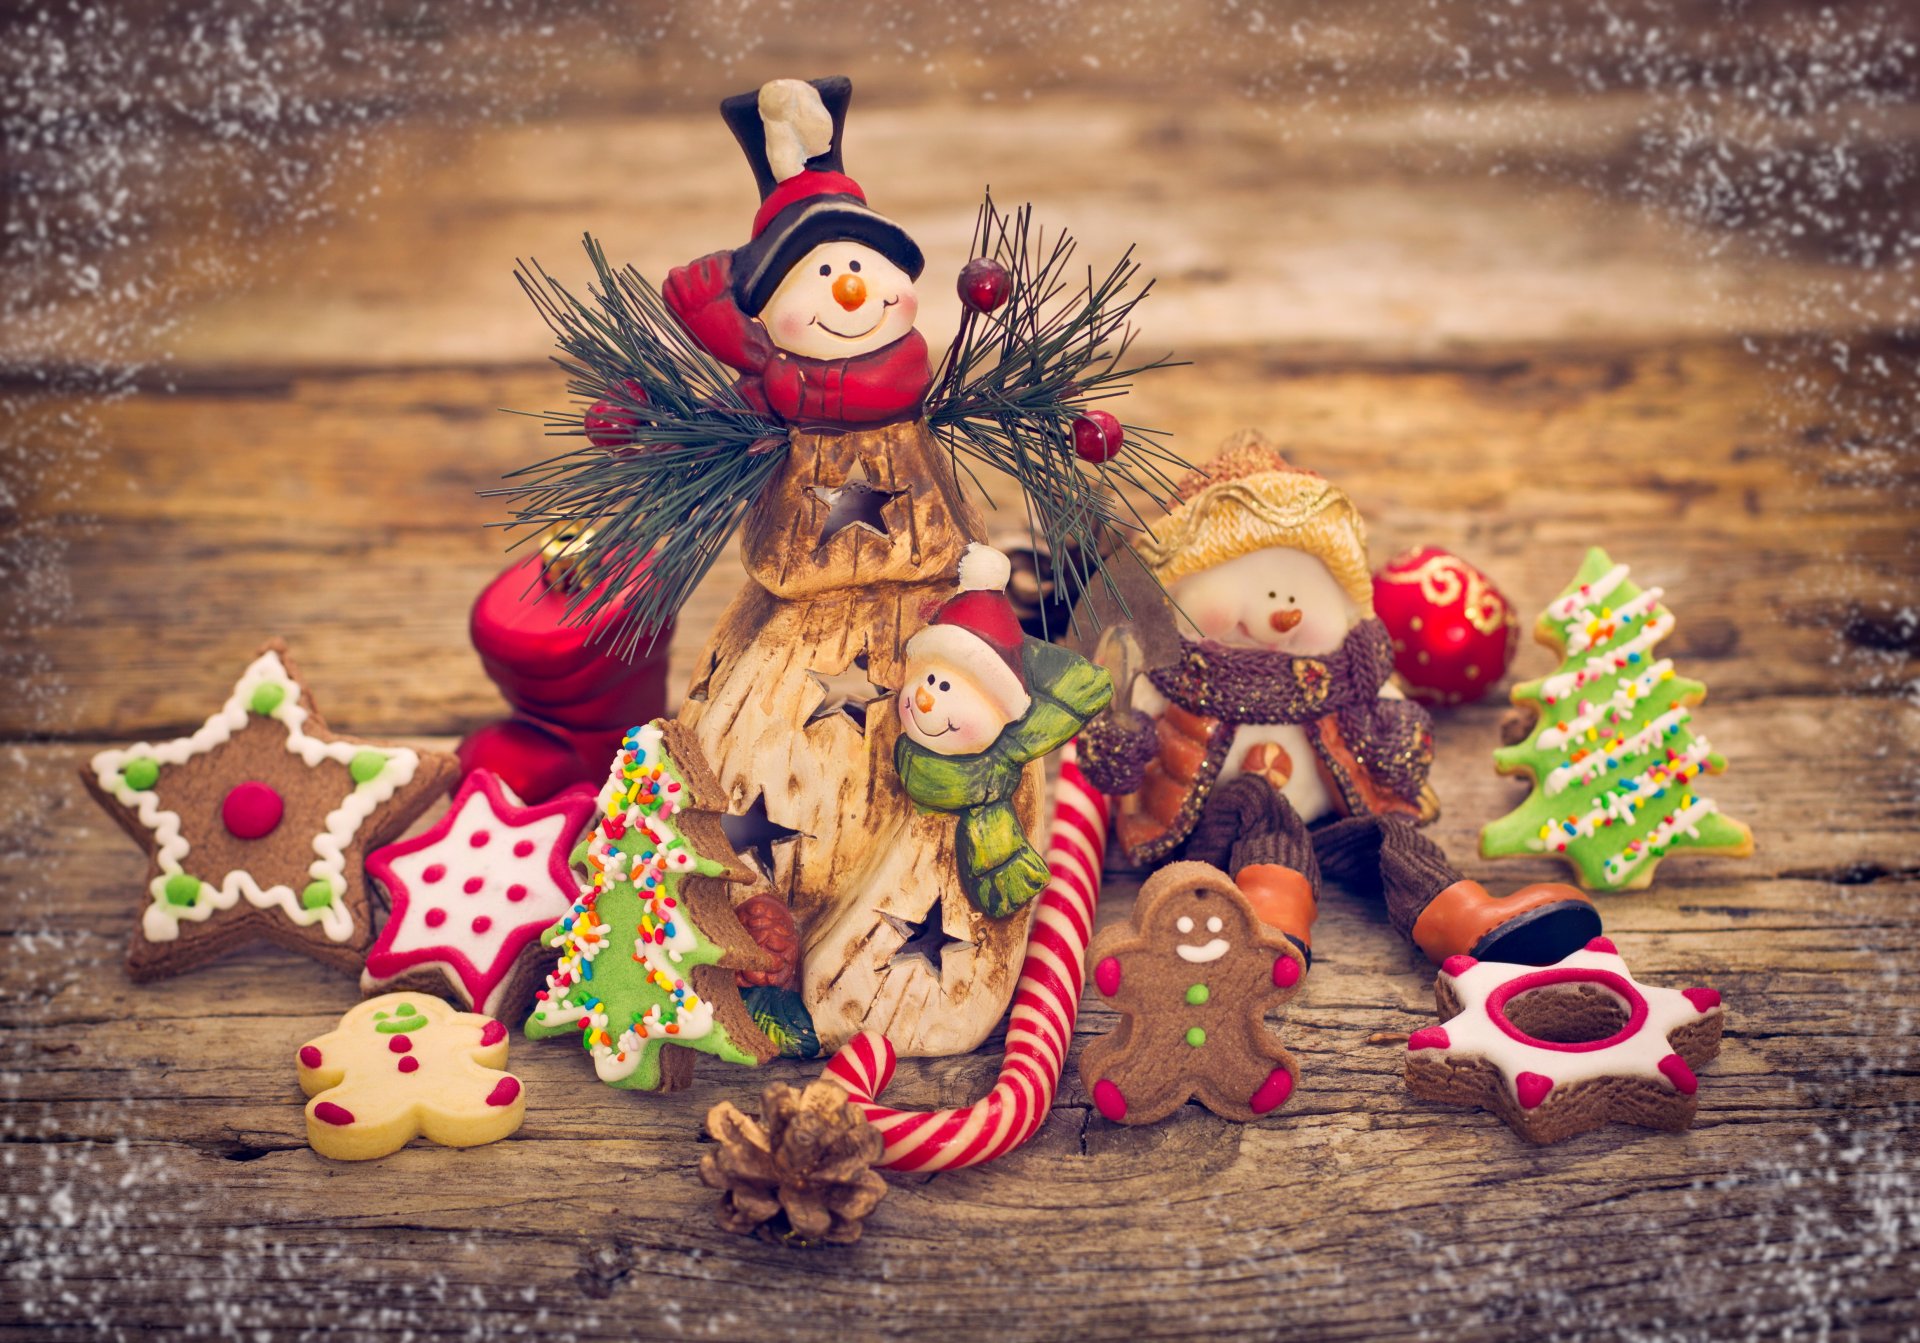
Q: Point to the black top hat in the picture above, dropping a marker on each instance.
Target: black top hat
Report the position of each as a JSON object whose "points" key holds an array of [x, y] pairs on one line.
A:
{"points": [[820, 204]]}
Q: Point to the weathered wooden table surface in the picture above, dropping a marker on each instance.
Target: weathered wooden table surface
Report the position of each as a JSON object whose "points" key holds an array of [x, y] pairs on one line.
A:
{"points": [[1487, 361]]}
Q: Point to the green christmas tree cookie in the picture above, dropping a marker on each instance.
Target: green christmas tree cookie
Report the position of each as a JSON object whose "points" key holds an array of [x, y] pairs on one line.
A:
{"points": [[648, 953], [1613, 760]]}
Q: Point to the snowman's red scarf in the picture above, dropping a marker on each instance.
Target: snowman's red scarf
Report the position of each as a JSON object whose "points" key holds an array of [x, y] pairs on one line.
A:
{"points": [[1253, 685]]}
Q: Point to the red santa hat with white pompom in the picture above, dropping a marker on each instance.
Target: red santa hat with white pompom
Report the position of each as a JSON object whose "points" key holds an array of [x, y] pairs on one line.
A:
{"points": [[977, 632]]}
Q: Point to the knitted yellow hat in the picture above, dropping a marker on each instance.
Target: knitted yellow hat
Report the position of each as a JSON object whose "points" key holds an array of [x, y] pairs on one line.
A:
{"points": [[1249, 499]]}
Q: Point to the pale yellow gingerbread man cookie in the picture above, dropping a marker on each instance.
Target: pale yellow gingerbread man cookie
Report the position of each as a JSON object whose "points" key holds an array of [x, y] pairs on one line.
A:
{"points": [[407, 1064]]}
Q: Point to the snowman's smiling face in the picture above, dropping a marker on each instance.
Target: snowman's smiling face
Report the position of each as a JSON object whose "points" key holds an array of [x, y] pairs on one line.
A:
{"points": [[839, 300], [1279, 599], [946, 710]]}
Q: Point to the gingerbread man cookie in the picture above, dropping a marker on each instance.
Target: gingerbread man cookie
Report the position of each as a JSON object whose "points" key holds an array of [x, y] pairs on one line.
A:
{"points": [[1193, 975], [1556, 1051], [407, 1065]]}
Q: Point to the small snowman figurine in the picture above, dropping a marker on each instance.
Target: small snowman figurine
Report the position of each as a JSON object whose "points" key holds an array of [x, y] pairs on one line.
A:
{"points": [[817, 310], [980, 700], [1267, 741]]}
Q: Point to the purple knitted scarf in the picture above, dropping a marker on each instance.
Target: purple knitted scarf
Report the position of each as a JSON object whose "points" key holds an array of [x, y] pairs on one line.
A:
{"points": [[1252, 685]]}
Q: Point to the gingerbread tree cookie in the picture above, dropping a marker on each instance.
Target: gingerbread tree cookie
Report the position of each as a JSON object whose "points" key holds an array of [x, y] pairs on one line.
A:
{"points": [[1614, 763], [403, 1066], [649, 949], [472, 893], [1193, 975], [1567, 1048], [258, 823]]}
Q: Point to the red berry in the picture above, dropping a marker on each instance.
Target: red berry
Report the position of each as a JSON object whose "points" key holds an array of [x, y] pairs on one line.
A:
{"points": [[984, 284], [1097, 436], [610, 423]]}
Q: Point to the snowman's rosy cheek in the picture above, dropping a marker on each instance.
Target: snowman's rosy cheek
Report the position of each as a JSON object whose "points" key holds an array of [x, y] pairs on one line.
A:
{"points": [[1214, 617]]}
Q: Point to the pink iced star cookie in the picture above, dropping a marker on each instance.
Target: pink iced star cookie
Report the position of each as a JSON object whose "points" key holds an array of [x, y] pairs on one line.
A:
{"points": [[472, 894], [1560, 1049], [408, 1065]]}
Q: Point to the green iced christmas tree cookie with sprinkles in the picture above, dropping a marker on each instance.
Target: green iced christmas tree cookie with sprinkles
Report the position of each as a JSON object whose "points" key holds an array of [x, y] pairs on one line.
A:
{"points": [[1613, 756], [257, 824], [648, 953]]}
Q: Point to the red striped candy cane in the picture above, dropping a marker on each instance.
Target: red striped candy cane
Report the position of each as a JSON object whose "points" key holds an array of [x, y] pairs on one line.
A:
{"points": [[1045, 1003]]}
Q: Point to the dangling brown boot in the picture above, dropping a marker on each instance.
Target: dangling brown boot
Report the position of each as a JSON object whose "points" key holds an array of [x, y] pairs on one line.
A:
{"points": [[1282, 899], [1536, 925]]}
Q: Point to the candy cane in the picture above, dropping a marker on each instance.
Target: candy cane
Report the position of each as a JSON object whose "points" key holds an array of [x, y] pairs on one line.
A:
{"points": [[1045, 1003]]}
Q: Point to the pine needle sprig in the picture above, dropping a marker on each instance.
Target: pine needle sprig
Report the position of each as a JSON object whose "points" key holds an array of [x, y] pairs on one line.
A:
{"points": [[1017, 377], [663, 508]]}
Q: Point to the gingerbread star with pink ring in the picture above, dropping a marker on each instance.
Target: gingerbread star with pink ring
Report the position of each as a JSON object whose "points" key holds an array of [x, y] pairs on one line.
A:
{"points": [[256, 825], [1557, 1050], [472, 893]]}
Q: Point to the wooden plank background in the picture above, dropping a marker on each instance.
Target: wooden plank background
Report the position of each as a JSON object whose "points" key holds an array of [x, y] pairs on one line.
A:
{"points": [[1451, 301]]}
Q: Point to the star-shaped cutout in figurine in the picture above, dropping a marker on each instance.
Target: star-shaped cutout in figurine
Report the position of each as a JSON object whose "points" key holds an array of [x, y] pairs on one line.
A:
{"points": [[847, 691], [472, 893], [257, 825], [926, 939], [858, 503], [753, 834]]}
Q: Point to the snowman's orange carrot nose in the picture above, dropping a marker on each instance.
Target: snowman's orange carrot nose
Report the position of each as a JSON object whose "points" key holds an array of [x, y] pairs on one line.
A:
{"points": [[849, 291], [923, 701], [1282, 621]]}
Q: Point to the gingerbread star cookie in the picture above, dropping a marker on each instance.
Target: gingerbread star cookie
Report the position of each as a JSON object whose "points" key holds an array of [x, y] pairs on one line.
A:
{"points": [[403, 1066], [1565, 1048], [471, 895], [257, 825]]}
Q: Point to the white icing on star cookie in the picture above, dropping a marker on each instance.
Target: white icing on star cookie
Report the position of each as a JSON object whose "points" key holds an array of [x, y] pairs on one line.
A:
{"points": [[268, 689], [1533, 1068], [477, 889]]}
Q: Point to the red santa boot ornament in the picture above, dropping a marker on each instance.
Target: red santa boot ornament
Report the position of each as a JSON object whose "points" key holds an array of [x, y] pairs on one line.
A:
{"points": [[572, 695]]}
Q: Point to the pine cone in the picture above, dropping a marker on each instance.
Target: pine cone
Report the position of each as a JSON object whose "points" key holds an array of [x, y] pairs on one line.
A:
{"points": [[802, 1174]]}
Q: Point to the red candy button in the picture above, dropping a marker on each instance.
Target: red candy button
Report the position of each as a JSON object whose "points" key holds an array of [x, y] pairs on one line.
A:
{"points": [[251, 810]]}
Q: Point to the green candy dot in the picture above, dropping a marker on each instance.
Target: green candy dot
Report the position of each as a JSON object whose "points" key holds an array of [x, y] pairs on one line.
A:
{"points": [[182, 889], [1196, 1037], [366, 766], [141, 773], [267, 697], [1198, 994], [317, 895]]}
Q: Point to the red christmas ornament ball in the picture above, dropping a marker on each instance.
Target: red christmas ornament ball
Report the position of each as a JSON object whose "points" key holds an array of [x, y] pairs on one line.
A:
{"points": [[1454, 632], [610, 423], [984, 284], [1097, 436]]}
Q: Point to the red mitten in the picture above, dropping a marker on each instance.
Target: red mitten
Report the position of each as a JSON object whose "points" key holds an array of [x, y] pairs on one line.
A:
{"points": [[701, 296]]}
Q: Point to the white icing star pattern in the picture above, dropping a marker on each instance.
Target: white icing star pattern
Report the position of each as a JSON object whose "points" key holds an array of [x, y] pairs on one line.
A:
{"points": [[478, 888]]}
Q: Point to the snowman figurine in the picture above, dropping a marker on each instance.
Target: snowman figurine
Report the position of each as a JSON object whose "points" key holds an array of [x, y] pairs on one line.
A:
{"points": [[1268, 742], [817, 310], [980, 700]]}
